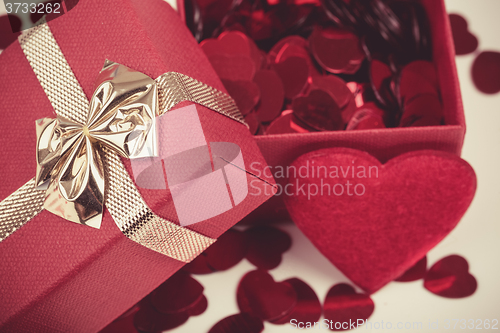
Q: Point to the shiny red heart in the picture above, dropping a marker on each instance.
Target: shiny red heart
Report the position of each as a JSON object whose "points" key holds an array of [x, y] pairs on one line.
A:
{"points": [[178, 294], [246, 94], [238, 323], [266, 246], [259, 295], [344, 307], [417, 78], [148, 319], [368, 116], [233, 67], [450, 277], [335, 50], [228, 43], [381, 221], [486, 72], [416, 272], [465, 41], [283, 124], [9, 23], [318, 110], [379, 72], [229, 250], [308, 308], [272, 95], [422, 110], [198, 266], [294, 72]]}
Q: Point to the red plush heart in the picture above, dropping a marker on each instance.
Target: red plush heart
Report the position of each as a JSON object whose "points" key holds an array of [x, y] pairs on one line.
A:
{"points": [[377, 220], [450, 277], [345, 308], [259, 295]]}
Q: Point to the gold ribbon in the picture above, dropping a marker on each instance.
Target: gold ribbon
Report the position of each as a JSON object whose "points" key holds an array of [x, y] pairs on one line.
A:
{"points": [[78, 152]]}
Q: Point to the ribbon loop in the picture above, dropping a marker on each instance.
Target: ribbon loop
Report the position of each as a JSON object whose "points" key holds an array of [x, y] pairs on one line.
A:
{"points": [[121, 117]]}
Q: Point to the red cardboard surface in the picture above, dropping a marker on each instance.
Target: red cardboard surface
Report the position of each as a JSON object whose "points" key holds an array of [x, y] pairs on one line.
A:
{"points": [[59, 276]]}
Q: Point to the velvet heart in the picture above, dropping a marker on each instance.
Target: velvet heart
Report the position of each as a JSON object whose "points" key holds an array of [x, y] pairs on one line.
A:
{"points": [[374, 221]]}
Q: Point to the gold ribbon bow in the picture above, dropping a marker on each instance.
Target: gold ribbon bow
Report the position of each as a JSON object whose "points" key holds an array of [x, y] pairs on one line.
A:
{"points": [[69, 166], [78, 152]]}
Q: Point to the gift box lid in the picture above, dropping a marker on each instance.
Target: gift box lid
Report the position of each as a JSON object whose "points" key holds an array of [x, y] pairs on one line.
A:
{"points": [[59, 276]]}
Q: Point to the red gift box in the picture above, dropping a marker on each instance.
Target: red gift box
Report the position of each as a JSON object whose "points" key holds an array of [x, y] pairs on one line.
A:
{"points": [[58, 276], [384, 144]]}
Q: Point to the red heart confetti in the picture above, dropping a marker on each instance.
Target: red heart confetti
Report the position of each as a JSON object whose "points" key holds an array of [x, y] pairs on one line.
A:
{"points": [[450, 277], [238, 323], [246, 94], [418, 77], [308, 308], [123, 324], [369, 116], [336, 51], [422, 110], [198, 266], [199, 307], [266, 246], [149, 320], [344, 305], [396, 33], [229, 250], [272, 95], [233, 67], [486, 72], [465, 42], [252, 122], [259, 295], [318, 110], [282, 124], [379, 72], [9, 23], [294, 72], [280, 50], [335, 87], [179, 293], [416, 272]]}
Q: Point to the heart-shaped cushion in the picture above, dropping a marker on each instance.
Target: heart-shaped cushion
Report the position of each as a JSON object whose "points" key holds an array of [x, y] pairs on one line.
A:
{"points": [[377, 220]]}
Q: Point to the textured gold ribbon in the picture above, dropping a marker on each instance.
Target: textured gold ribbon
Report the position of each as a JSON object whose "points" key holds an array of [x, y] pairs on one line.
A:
{"points": [[122, 198]]}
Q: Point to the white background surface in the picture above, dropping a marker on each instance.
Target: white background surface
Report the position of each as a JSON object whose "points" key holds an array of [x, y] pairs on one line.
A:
{"points": [[476, 237]]}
